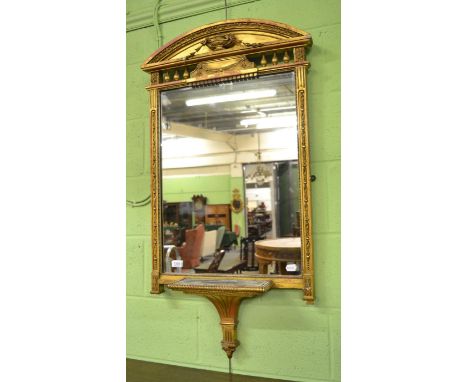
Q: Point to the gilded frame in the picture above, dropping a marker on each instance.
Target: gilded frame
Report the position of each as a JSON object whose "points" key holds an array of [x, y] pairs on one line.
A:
{"points": [[232, 50]]}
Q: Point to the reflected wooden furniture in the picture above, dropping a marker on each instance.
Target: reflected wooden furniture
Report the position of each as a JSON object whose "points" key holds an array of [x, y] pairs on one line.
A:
{"points": [[217, 258], [211, 264], [218, 214], [199, 203], [173, 235], [259, 222], [180, 213], [282, 251]]}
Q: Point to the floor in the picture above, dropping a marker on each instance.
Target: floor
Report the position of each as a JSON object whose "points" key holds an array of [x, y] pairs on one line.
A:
{"points": [[140, 371]]}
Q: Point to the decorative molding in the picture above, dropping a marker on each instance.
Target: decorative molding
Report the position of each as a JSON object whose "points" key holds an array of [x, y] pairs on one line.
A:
{"points": [[207, 68], [226, 296], [139, 19], [224, 41], [299, 54], [264, 35], [281, 46], [154, 78], [304, 181], [156, 287], [175, 10]]}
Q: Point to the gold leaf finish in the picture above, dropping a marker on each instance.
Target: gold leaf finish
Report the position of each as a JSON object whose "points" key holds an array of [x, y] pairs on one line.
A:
{"points": [[226, 296], [156, 286], [247, 34], [304, 181], [274, 60], [218, 52], [221, 41], [226, 65], [155, 78]]}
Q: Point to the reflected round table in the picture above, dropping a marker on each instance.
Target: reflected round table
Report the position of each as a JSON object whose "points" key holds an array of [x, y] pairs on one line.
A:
{"points": [[281, 250]]}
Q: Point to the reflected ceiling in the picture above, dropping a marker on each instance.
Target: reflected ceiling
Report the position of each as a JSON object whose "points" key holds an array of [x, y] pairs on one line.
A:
{"points": [[264, 103]]}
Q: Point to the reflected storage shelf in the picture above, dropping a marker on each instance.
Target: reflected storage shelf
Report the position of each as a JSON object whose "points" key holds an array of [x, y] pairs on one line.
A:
{"points": [[259, 222]]}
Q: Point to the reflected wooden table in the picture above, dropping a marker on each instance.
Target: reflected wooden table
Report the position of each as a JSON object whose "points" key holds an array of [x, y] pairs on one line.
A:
{"points": [[282, 251]]}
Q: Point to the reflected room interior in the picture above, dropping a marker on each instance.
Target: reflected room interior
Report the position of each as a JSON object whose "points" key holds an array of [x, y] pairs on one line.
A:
{"points": [[230, 175]]}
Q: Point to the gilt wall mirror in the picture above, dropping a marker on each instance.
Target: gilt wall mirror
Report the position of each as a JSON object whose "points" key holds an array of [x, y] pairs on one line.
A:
{"points": [[230, 166]]}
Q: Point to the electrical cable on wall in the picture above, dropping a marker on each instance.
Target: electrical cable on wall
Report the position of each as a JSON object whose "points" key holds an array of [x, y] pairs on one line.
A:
{"points": [[157, 6], [147, 200], [156, 23], [139, 203]]}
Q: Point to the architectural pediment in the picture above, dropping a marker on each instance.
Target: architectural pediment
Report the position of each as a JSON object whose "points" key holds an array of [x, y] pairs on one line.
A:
{"points": [[226, 38]]}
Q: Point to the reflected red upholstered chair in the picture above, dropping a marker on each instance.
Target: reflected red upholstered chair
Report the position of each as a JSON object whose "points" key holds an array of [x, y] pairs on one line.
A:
{"points": [[191, 249]]}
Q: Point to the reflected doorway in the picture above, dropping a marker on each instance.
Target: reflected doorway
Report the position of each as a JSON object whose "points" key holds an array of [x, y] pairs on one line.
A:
{"points": [[272, 200]]}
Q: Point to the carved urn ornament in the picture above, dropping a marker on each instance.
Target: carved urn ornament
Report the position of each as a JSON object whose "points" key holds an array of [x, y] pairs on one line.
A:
{"points": [[220, 42]]}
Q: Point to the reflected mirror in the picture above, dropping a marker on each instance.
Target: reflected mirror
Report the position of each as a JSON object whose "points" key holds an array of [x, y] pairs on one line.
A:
{"points": [[230, 179]]}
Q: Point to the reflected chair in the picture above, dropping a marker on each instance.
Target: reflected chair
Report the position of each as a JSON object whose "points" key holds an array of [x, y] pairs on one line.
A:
{"points": [[217, 258], [219, 236], [171, 253], [191, 250], [209, 243], [247, 253]]}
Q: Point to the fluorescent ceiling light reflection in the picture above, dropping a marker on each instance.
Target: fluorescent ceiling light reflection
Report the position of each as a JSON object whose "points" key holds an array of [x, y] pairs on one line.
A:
{"points": [[239, 96], [279, 108], [265, 123]]}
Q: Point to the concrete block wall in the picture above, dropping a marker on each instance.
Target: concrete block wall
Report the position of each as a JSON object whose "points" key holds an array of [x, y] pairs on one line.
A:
{"points": [[280, 336]]}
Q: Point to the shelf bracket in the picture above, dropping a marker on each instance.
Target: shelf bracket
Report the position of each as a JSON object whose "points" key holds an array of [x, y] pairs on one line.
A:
{"points": [[226, 296]]}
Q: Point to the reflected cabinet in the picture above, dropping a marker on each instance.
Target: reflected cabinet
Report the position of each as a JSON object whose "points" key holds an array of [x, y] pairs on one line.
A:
{"points": [[230, 161]]}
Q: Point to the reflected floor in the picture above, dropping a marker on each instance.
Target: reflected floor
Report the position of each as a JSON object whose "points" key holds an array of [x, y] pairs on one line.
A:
{"points": [[231, 263]]}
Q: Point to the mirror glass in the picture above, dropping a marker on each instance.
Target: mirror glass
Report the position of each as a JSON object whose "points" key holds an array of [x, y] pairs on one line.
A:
{"points": [[230, 176]]}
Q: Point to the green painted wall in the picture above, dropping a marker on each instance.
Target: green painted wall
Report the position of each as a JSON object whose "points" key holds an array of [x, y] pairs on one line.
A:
{"points": [[280, 336], [239, 218], [216, 188]]}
